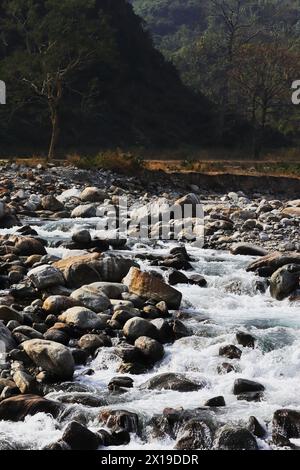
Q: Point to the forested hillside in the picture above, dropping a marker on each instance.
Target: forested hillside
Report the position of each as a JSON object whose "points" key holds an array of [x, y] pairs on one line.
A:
{"points": [[85, 73], [242, 54]]}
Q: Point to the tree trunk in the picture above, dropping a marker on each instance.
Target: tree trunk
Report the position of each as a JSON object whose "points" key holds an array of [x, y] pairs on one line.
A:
{"points": [[54, 134]]}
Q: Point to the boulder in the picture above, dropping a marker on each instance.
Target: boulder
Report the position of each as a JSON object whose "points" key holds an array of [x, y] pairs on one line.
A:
{"points": [[189, 199], [54, 358], [234, 438], [248, 250], [245, 386], [8, 313], [148, 286], [84, 211], [246, 340], [285, 281], [270, 263], [90, 297], [82, 237], [230, 351], [113, 290], [92, 194], [50, 203], [114, 268], [78, 437], [256, 428], [195, 435], [136, 327], [58, 303], [92, 342], [26, 246], [46, 276], [80, 270], [6, 338], [83, 318], [286, 425], [150, 349], [172, 381], [120, 419], [18, 407], [291, 211], [215, 402], [25, 382]]}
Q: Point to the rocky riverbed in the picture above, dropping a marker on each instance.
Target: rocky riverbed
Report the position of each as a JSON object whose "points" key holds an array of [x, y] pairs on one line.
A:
{"points": [[121, 342]]}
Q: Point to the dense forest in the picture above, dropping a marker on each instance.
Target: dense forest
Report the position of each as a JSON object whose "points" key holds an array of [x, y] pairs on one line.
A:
{"points": [[242, 54], [87, 74], [84, 73]]}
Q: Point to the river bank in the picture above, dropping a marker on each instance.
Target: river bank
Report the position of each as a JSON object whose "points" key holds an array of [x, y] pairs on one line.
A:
{"points": [[151, 343]]}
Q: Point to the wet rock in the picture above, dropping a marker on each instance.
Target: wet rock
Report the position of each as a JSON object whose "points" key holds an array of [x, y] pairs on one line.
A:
{"points": [[121, 419], [246, 340], [230, 351], [148, 286], [134, 368], [234, 438], [256, 428], [245, 386], [172, 381], [50, 203], [176, 277], [248, 250], [165, 330], [286, 425], [91, 298], [127, 352], [270, 263], [79, 437], [285, 281], [92, 194], [215, 402], [82, 318], [195, 435], [136, 327], [150, 349], [81, 398], [197, 280], [26, 246], [57, 303], [18, 407], [82, 237], [46, 276], [251, 396], [179, 329], [120, 382], [54, 358]]}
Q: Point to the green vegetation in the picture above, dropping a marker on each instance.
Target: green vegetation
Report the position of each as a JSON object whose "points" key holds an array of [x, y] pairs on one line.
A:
{"points": [[242, 54], [83, 74]]}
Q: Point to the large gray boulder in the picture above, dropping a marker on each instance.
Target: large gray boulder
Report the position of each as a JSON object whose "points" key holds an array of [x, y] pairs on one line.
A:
{"points": [[54, 358], [82, 318], [285, 281], [136, 327], [91, 297], [46, 276]]}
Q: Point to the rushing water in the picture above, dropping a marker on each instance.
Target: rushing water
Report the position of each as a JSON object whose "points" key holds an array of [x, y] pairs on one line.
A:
{"points": [[229, 304]]}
